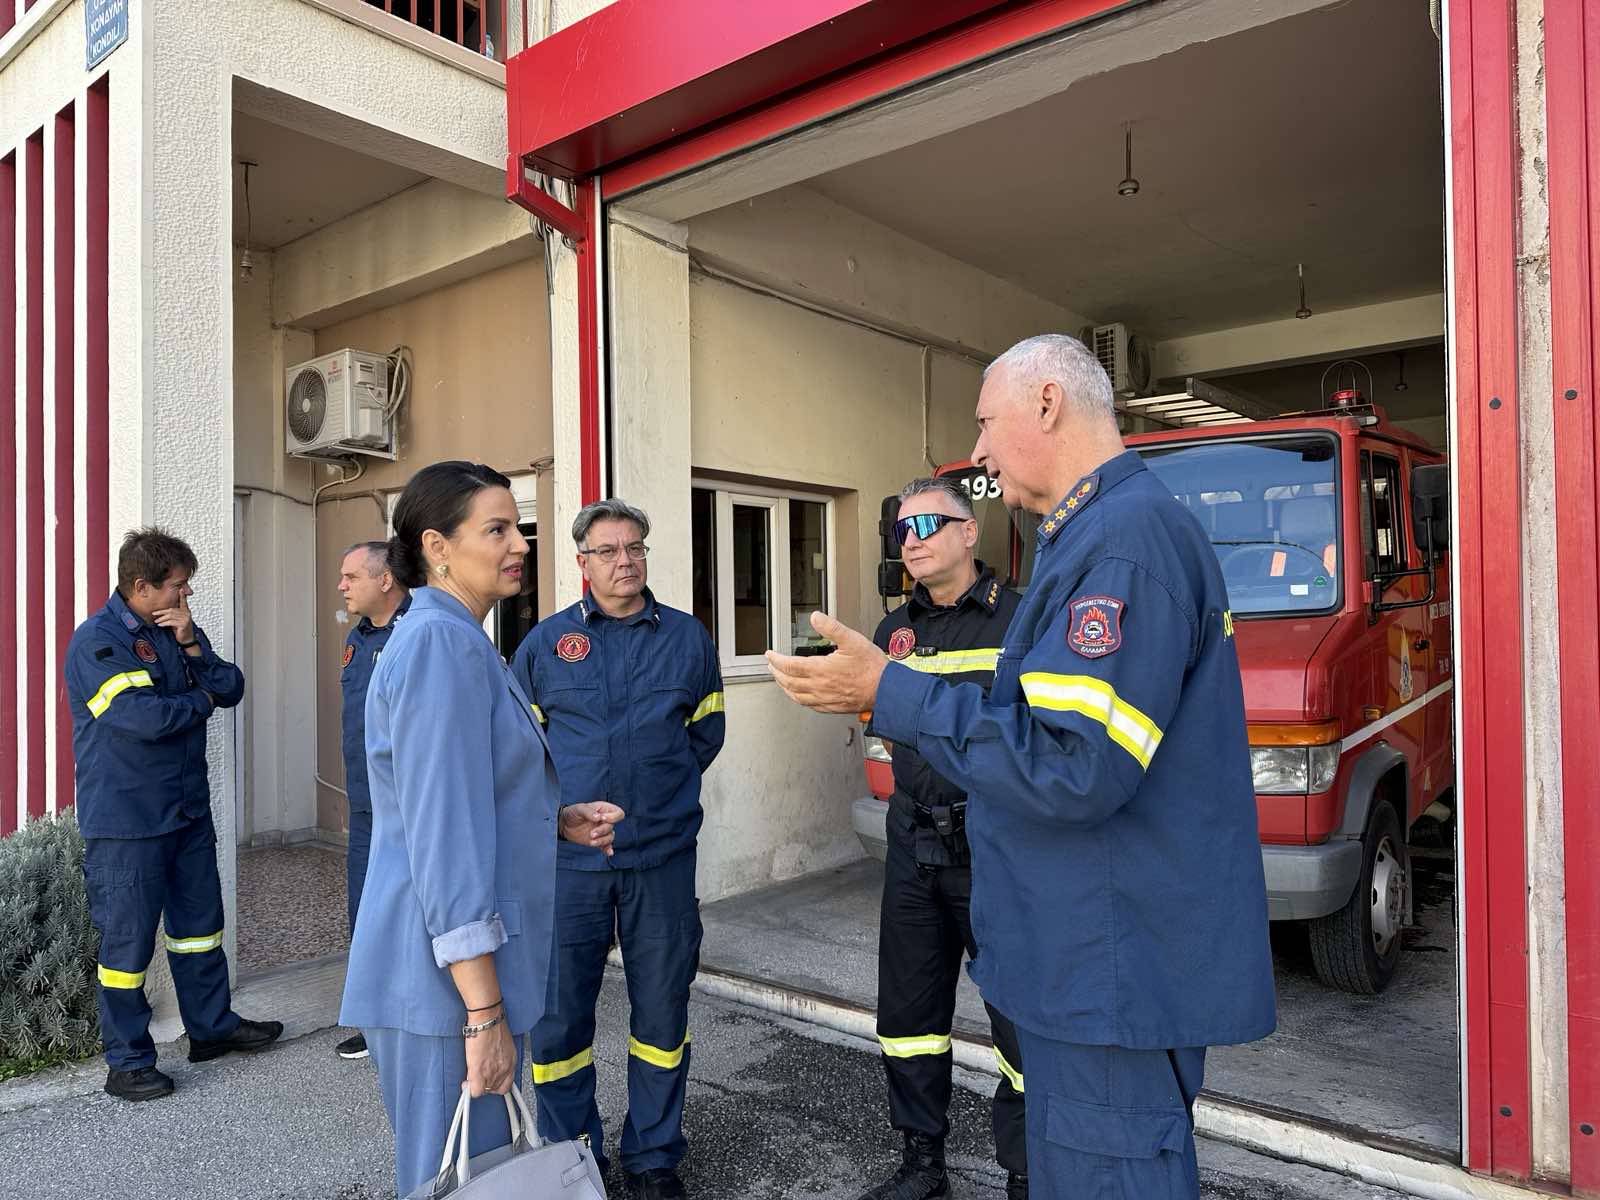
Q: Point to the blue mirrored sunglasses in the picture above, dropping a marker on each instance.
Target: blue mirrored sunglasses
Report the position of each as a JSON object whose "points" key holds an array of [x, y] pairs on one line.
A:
{"points": [[924, 525]]}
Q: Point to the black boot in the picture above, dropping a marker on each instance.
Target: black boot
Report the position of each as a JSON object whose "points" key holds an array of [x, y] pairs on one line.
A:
{"points": [[141, 1083], [921, 1175], [1016, 1186], [657, 1183], [248, 1038]]}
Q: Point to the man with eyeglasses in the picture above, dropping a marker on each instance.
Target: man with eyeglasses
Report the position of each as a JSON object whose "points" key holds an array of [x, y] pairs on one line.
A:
{"points": [[630, 696], [952, 627]]}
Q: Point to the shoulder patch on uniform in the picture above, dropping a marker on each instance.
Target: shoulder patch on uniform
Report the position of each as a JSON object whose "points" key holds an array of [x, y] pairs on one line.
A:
{"points": [[572, 647], [1096, 625], [349, 653], [105, 652], [902, 642], [145, 651]]}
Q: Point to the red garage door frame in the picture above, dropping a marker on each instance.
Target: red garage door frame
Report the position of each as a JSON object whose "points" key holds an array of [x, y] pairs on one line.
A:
{"points": [[852, 71]]}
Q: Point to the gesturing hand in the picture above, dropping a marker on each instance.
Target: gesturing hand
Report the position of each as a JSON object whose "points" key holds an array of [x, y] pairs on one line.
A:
{"points": [[178, 618], [592, 824], [845, 681]]}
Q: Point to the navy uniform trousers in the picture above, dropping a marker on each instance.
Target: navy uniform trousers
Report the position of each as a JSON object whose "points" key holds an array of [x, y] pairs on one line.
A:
{"points": [[923, 930], [656, 919], [130, 882]]}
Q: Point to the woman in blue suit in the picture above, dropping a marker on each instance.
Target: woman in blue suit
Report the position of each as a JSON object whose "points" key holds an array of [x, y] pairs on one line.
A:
{"points": [[450, 961]]}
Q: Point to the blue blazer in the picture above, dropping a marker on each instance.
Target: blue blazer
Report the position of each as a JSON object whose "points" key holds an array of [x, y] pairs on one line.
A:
{"points": [[464, 803]]}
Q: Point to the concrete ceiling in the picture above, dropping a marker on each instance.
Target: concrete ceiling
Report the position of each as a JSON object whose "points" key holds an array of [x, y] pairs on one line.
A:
{"points": [[301, 183], [1315, 139]]}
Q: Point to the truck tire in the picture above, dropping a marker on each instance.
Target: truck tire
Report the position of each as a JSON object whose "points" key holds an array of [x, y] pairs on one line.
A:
{"points": [[1357, 948]]}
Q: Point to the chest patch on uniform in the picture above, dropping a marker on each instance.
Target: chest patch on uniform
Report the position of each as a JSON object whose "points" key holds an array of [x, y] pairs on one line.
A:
{"points": [[1096, 626], [901, 643], [349, 653], [573, 647], [145, 651]]}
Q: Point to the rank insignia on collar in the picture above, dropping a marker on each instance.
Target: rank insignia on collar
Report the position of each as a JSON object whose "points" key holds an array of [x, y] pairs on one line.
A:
{"points": [[1050, 525], [902, 642], [1087, 486], [1096, 626], [349, 653], [145, 651], [994, 593], [572, 647], [130, 621]]}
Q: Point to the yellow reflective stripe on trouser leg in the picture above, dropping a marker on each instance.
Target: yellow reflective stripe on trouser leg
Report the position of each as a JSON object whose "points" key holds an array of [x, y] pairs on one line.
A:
{"points": [[667, 1060], [711, 704], [1013, 1075], [112, 978], [915, 1047], [550, 1072], [114, 687], [1097, 700], [194, 945]]}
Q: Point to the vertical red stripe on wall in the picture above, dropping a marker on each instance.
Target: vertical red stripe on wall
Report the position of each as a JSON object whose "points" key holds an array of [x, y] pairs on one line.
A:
{"points": [[588, 350], [8, 484], [97, 343], [66, 542], [8, 16], [30, 567], [1572, 114], [1490, 614]]}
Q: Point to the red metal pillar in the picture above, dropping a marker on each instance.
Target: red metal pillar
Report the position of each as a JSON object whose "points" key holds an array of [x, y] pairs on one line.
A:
{"points": [[8, 491], [97, 343], [65, 550], [588, 346], [30, 568]]}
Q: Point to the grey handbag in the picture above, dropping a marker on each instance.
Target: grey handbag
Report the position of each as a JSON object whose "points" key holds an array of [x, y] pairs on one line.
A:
{"points": [[527, 1169]]}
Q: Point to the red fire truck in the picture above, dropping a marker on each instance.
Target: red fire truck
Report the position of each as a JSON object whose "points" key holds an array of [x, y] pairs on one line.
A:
{"points": [[1331, 529]]}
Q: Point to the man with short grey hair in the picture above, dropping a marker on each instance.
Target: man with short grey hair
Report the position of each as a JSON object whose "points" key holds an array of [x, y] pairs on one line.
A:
{"points": [[630, 695], [1118, 899], [372, 596]]}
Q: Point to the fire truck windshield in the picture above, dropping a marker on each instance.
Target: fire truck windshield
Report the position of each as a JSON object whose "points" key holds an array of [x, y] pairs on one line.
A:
{"points": [[1271, 509]]}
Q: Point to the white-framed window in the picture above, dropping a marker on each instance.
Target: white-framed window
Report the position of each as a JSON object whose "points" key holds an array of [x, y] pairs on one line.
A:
{"points": [[763, 562]]}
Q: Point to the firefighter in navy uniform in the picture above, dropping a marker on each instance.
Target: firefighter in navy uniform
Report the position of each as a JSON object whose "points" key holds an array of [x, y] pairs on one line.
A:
{"points": [[1118, 899], [630, 694], [953, 626], [142, 680]]}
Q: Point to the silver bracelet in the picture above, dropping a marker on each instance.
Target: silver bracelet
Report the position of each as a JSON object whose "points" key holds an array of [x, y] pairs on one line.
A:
{"points": [[475, 1030]]}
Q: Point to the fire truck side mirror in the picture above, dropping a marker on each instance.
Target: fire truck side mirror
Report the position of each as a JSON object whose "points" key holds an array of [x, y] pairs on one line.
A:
{"points": [[1430, 506], [891, 574]]}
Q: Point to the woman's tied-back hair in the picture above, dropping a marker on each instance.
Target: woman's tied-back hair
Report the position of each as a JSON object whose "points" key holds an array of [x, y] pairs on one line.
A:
{"points": [[437, 497]]}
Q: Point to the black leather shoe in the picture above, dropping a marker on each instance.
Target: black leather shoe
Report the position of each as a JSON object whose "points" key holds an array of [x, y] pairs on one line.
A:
{"points": [[921, 1175], [1016, 1186], [250, 1037], [141, 1083], [657, 1183]]}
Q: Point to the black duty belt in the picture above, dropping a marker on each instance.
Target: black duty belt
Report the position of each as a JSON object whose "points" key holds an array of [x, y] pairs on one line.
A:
{"points": [[943, 819]]}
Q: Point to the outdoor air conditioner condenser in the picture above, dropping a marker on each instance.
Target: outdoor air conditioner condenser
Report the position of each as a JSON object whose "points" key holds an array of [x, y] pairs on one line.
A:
{"points": [[338, 405]]}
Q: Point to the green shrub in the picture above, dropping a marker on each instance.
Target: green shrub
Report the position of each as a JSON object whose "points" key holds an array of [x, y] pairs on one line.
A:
{"points": [[47, 945]]}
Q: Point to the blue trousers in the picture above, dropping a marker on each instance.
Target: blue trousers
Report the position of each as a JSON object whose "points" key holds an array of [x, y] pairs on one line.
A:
{"points": [[355, 861], [1108, 1123], [421, 1078], [129, 882], [656, 918]]}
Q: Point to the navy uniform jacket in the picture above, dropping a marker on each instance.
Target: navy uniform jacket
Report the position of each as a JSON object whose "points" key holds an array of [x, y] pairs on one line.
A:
{"points": [[959, 643], [464, 803], [1117, 888], [139, 714], [361, 649], [633, 709]]}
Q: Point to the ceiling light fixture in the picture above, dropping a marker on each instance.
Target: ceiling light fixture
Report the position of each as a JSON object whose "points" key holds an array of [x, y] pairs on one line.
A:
{"points": [[247, 266], [1129, 185], [1400, 384], [1302, 313]]}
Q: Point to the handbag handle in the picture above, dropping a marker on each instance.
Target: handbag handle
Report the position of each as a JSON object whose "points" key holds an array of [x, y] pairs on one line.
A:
{"points": [[458, 1140]]}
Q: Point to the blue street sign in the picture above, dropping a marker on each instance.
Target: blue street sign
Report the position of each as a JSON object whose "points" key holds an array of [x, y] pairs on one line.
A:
{"points": [[105, 27]]}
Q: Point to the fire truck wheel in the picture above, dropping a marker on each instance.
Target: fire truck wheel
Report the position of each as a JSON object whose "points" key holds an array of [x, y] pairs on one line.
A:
{"points": [[1357, 948]]}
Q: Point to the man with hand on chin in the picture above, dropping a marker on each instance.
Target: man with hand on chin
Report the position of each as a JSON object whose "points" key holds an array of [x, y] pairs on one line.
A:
{"points": [[630, 694], [1118, 901]]}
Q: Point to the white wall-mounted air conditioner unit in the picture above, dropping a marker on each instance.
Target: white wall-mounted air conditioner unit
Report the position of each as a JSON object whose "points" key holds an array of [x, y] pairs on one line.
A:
{"points": [[338, 405], [1124, 356]]}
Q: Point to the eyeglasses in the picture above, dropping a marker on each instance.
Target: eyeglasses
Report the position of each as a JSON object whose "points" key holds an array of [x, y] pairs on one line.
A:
{"points": [[608, 554], [924, 525]]}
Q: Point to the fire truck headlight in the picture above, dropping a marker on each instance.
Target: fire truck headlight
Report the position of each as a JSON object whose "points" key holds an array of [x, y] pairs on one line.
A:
{"points": [[1280, 770], [1324, 767], [874, 749]]}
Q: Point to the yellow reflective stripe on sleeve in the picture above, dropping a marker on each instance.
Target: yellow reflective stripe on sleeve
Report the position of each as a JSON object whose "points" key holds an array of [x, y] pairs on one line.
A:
{"points": [[115, 686], [1010, 1072], [954, 662], [711, 704], [915, 1047], [550, 1072], [120, 979], [1097, 700], [1227, 622], [538, 714], [667, 1060], [194, 945]]}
